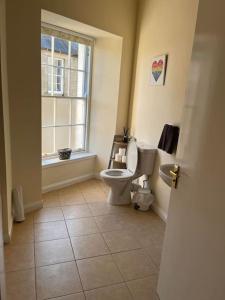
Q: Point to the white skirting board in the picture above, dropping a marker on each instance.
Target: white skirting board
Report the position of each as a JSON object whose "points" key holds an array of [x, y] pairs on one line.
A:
{"points": [[159, 212], [33, 206], [67, 182]]}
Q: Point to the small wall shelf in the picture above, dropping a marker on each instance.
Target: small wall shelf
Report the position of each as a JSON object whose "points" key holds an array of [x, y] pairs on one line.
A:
{"points": [[117, 143]]}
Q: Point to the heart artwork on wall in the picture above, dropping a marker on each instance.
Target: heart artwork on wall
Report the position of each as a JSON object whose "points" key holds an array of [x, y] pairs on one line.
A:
{"points": [[158, 70]]}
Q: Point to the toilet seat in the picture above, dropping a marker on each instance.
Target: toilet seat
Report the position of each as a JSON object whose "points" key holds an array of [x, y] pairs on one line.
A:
{"points": [[116, 173], [120, 174], [132, 156]]}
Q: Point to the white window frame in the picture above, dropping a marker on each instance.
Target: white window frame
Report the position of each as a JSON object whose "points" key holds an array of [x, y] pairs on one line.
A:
{"points": [[86, 97]]}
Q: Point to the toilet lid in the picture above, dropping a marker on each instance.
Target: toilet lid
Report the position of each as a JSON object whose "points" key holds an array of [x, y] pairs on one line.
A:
{"points": [[132, 156]]}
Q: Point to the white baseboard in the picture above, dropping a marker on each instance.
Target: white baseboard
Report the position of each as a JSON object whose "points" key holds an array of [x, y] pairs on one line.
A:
{"points": [[97, 176], [68, 182], [33, 206], [161, 213]]}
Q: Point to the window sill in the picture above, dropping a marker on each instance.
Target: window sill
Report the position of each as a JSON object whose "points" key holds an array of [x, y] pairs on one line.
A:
{"points": [[53, 162]]}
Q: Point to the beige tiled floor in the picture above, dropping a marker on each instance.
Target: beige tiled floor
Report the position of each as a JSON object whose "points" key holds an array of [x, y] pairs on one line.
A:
{"points": [[79, 247]]}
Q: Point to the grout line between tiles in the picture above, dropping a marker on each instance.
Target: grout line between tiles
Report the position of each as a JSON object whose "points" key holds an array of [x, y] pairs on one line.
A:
{"points": [[82, 292], [75, 258]]}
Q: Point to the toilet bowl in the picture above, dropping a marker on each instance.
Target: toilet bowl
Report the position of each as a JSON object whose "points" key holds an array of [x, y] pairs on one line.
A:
{"points": [[140, 161]]}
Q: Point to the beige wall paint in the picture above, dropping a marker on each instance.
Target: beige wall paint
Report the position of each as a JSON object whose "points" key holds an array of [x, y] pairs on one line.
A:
{"points": [[23, 34], [163, 27], [104, 100], [53, 176], [5, 147], [23, 63]]}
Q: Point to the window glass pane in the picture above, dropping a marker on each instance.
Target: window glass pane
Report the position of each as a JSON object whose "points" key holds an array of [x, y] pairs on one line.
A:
{"points": [[46, 43], [62, 135], [75, 85], [81, 84], [77, 137], [61, 46], [47, 141], [47, 111], [62, 111], [78, 111], [74, 56]]}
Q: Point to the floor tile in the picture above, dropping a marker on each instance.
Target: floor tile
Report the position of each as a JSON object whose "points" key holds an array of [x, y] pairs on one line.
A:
{"points": [[52, 252], [20, 285], [98, 272], [144, 237], [76, 211], [57, 280], [48, 214], [143, 289], [104, 208], [74, 188], [19, 257], [110, 222], [29, 218], [113, 292], [51, 199], [100, 208], [81, 226], [120, 241], [158, 237], [78, 296], [154, 252], [134, 264], [71, 197], [94, 196], [90, 186], [89, 246], [22, 233], [50, 231]]}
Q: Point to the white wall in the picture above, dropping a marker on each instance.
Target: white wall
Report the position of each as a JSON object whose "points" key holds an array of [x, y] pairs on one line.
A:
{"points": [[164, 27]]}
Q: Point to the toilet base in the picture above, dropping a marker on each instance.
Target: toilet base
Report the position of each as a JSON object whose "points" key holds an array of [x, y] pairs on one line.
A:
{"points": [[118, 197]]}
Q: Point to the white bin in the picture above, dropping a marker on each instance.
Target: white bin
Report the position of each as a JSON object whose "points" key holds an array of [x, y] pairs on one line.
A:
{"points": [[18, 209], [143, 199]]}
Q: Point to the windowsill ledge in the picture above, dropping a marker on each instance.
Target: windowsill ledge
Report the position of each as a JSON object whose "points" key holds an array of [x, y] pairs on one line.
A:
{"points": [[53, 162]]}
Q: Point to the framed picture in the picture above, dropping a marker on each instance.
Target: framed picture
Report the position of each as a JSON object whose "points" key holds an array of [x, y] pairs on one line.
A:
{"points": [[158, 70]]}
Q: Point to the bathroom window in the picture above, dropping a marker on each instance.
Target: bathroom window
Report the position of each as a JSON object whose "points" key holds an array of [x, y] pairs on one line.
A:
{"points": [[65, 74]]}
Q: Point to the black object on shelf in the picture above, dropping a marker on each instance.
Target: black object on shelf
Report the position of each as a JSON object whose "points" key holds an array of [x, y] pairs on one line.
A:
{"points": [[64, 153], [125, 135]]}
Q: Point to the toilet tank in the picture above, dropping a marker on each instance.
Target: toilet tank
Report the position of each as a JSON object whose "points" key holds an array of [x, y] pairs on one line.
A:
{"points": [[146, 159]]}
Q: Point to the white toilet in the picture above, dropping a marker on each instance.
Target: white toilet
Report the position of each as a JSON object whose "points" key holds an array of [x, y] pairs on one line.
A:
{"points": [[140, 161]]}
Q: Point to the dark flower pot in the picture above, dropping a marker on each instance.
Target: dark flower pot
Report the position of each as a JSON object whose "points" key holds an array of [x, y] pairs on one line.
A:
{"points": [[64, 153]]}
